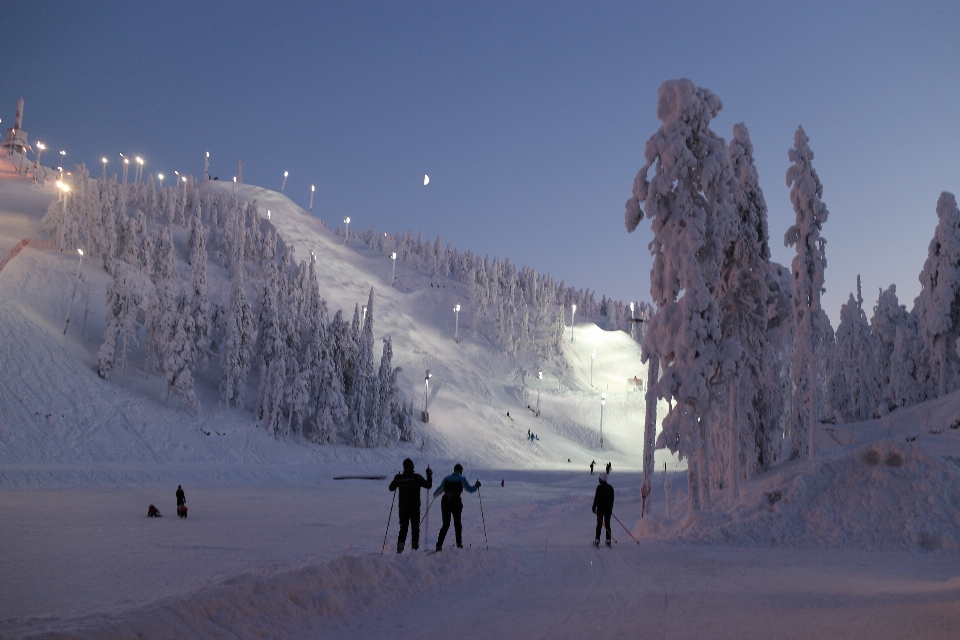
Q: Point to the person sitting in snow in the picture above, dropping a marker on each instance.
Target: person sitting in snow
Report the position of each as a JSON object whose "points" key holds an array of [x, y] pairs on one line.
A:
{"points": [[451, 505], [409, 484], [603, 507], [153, 512]]}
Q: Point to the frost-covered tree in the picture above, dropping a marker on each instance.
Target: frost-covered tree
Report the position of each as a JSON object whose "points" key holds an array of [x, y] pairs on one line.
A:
{"points": [[909, 366], [198, 300], [238, 346], [808, 277], [743, 295], [938, 305], [888, 316], [854, 388], [126, 295], [689, 201], [179, 355]]}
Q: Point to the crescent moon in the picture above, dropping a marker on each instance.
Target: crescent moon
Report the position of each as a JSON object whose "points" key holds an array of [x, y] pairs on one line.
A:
{"points": [[426, 179]]}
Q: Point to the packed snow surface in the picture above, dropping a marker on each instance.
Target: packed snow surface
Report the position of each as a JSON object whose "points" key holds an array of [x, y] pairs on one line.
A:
{"points": [[861, 542]]}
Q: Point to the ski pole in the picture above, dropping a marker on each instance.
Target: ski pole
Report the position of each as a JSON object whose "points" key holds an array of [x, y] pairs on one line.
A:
{"points": [[390, 517], [625, 529], [482, 519], [428, 509]]}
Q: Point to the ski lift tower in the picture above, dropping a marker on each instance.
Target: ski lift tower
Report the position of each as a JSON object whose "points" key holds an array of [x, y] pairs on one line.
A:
{"points": [[17, 139], [425, 415]]}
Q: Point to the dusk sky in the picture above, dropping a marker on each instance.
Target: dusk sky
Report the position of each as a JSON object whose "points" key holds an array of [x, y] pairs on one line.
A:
{"points": [[529, 117]]}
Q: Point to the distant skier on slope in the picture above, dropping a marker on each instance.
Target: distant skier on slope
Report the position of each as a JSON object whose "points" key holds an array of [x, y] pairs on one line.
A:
{"points": [[451, 505], [409, 484], [603, 507]]}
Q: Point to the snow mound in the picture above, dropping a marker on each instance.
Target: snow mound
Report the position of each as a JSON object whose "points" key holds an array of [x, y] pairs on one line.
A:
{"points": [[882, 496], [299, 601]]}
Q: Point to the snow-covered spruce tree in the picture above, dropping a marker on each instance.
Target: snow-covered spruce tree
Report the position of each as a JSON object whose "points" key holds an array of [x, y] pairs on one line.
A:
{"points": [[388, 397], [198, 299], [690, 204], [938, 305], [362, 399], [888, 316], [743, 295], [854, 385], [126, 294], [909, 366], [179, 355], [161, 312], [270, 353], [238, 346], [808, 278]]}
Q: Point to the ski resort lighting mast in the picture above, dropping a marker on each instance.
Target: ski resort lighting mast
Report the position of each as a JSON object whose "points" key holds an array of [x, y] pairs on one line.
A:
{"points": [[139, 168], [539, 381], [104, 161], [206, 167], [393, 277], [40, 148], [573, 316], [456, 326], [284, 185], [603, 401], [160, 178], [593, 356], [75, 283], [312, 189], [346, 236], [425, 416]]}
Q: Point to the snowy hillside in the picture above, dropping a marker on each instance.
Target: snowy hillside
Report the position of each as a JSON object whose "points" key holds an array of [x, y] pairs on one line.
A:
{"points": [[128, 428]]}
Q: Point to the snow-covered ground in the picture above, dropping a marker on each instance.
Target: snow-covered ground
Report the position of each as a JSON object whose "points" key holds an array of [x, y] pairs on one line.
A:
{"points": [[861, 543]]}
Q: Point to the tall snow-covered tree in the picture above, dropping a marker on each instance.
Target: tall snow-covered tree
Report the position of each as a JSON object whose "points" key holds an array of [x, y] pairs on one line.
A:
{"points": [[888, 316], [126, 295], [938, 305], [690, 203], [855, 382], [808, 277], [238, 346]]}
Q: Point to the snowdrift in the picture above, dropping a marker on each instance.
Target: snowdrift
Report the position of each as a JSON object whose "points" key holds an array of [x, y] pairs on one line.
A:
{"points": [[881, 496], [301, 600]]}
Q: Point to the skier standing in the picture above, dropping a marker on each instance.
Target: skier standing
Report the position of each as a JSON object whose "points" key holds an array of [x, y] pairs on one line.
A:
{"points": [[603, 507], [451, 505], [181, 502], [409, 484], [592, 463]]}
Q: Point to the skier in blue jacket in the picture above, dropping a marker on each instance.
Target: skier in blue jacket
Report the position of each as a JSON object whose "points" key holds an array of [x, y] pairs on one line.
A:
{"points": [[452, 486]]}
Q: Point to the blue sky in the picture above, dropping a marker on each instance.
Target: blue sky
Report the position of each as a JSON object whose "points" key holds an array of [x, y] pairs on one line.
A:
{"points": [[529, 117]]}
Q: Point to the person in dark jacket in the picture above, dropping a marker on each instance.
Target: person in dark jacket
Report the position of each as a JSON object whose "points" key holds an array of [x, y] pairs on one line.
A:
{"points": [[181, 502], [603, 507], [409, 484], [451, 505]]}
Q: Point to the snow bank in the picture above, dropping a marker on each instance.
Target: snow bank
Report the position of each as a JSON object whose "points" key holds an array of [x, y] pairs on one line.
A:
{"points": [[300, 601], [882, 496]]}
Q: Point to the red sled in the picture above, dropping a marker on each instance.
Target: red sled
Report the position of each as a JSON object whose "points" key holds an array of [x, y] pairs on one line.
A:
{"points": [[182, 511]]}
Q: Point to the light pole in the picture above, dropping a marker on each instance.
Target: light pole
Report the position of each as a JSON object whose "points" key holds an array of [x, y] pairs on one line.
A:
{"points": [[126, 166], [36, 174], [363, 318], [539, 381], [75, 283], [346, 237], [206, 167], [183, 204], [139, 168], [632, 323], [284, 185], [160, 177], [456, 329], [393, 277], [64, 190], [63, 162], [268, 214], [312, 189], [104, 161], [593, 355], [426, 389], [573, 317], [603, 401]]}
